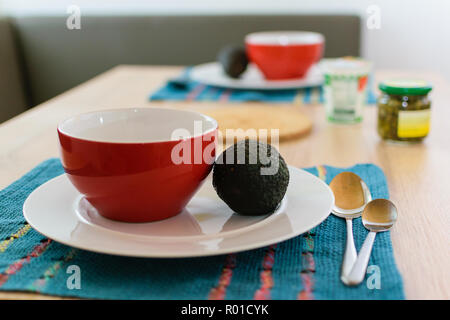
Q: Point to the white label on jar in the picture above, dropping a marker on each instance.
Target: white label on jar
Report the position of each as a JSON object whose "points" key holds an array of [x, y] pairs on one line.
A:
{"points": [[413, 124], [345, 96]]}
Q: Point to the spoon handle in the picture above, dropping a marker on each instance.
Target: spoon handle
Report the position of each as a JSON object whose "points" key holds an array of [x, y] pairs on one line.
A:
{"points": [[350, 252], [358, 272]]}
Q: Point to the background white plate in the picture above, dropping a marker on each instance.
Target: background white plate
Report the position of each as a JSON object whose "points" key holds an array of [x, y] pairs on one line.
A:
{"points": [[212, 74], [207, 226]]}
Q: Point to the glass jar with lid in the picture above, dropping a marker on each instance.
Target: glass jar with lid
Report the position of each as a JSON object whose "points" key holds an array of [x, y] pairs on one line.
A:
{"points": [[404, 110]]}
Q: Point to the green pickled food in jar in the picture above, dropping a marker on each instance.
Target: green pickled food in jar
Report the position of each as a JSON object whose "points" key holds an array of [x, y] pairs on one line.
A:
{"points": [[404, 110]]}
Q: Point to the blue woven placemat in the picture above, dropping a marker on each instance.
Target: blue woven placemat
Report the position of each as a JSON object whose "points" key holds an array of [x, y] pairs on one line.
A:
{"points": [[195, 91], [305, 267]]}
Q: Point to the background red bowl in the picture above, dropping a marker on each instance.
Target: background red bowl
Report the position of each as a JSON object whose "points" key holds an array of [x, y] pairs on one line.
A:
{"points": [[121, 160], [284, 54]]}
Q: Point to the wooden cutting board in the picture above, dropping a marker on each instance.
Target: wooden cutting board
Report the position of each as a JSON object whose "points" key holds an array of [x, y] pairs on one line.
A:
{"points": [[290, 122]]}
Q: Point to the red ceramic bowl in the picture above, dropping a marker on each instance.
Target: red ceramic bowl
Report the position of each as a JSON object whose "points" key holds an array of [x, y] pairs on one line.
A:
{"points": [[138, 165], [284, 54]]}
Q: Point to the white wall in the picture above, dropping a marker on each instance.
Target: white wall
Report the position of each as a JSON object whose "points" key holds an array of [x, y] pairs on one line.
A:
{"points": [[414, 34]]}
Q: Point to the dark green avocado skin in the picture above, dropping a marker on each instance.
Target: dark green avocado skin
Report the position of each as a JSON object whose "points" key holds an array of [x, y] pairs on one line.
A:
{"points": [[233, 60], [243, 188]]}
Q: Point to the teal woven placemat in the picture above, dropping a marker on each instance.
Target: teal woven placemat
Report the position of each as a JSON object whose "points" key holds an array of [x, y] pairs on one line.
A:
{"points": [[305, 267], [195, 91]]}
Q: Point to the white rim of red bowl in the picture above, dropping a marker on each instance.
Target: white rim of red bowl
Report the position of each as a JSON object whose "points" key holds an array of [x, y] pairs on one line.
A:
{"points": [[201, 117], [284, 38]]}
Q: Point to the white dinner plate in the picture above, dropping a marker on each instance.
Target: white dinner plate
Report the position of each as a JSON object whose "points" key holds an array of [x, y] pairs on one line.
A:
{"points": [[206, 227], [212, 74]]}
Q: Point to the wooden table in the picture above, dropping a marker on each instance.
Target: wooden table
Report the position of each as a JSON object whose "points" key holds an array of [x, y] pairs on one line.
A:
{"points": [[418, 175]]}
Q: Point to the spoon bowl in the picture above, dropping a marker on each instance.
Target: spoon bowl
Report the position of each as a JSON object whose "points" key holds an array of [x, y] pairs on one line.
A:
{"points": [[351, 195], [379, 215]]}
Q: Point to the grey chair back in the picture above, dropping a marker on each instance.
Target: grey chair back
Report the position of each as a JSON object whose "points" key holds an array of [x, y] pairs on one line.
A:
{"points": [[57, 58]]}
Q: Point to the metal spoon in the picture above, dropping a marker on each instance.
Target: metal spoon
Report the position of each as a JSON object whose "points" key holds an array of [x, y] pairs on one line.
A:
{"points": [[351, 195], [378, 216]]}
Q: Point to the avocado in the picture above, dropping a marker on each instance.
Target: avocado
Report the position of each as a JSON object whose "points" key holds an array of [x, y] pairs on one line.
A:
{"points": [[234, 60], [247, 182]]}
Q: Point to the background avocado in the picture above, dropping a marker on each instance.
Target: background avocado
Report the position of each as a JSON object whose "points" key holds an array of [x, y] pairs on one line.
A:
{"points": [[242, 186], [234, 60]]}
